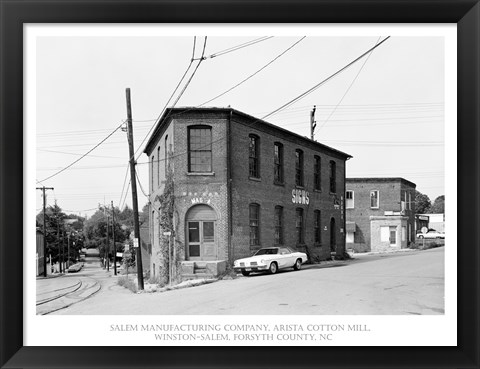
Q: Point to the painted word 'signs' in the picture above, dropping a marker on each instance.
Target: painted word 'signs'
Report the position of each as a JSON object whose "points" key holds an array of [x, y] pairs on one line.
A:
{"points": [[300, 197]]}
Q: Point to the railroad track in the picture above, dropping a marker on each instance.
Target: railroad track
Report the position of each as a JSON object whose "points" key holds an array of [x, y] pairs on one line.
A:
{"points": [[67, 296]]}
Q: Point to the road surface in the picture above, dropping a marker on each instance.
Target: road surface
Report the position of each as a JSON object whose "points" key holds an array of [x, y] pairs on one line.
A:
{"points": [[400, 283]]}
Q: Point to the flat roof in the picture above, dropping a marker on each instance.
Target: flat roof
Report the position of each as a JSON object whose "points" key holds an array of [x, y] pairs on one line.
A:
{"points": [[380, 179], [173, 112]]}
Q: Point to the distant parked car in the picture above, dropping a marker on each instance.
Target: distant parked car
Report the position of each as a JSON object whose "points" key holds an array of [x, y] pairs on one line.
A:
{"points": [[75, 268], [432, 233], [270, 259]]}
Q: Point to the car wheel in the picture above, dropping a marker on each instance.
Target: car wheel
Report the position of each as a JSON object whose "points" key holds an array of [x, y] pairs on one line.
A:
{"points": [[421, 237], [273, 268], [297, 265], [245, 273]]}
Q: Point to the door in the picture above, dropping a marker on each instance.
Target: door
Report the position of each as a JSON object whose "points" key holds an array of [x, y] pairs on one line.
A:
{"points": [[201, 240], [333, 241], [393, 236], [200, 234]]}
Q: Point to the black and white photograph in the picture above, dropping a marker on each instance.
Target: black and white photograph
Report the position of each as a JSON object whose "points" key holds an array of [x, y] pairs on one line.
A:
{"points": [[200, 182]]}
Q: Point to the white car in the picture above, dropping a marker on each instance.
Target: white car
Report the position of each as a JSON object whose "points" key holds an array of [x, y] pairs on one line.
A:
{"points": [[431, 234], [270, 259]]}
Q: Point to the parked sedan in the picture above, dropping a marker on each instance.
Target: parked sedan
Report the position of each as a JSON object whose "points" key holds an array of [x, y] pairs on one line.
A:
{"points": [[431, 234], [270, 259]]}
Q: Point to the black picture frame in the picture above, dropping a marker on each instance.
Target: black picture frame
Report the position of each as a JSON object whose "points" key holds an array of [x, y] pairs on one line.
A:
{"points": [[14, 14]]}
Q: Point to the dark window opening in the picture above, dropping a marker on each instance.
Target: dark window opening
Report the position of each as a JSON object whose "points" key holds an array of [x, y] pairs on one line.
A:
{"points": [[199, 149]]}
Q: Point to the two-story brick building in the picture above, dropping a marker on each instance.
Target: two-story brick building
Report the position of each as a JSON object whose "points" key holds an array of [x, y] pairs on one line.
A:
{"points": [[380, 213], [240, 184]]}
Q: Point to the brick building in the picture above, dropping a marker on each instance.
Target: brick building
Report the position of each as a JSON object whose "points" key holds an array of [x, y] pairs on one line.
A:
{"points": [[240, 184], [380, 213]]}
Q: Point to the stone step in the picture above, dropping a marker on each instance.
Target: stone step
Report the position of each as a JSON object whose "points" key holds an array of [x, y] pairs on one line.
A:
{"points": [[186, 277]]}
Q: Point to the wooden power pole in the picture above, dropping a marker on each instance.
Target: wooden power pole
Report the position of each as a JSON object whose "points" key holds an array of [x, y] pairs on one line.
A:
{"points": [[137, 241], [44, 229], [313, 124], [114, 245]]}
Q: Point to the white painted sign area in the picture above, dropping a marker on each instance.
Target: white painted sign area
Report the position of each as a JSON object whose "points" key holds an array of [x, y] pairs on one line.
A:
{"points": [[300, 196]]}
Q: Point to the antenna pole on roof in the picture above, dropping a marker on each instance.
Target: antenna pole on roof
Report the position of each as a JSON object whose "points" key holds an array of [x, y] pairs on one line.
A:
{"points": [[313, 124]]}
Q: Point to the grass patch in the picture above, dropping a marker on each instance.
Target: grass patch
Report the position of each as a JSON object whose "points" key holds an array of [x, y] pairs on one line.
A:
{"points": [[127, 283]]}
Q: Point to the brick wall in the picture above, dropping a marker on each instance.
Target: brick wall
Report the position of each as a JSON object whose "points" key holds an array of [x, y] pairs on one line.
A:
{"points": [[391, 193], [267, 194]]}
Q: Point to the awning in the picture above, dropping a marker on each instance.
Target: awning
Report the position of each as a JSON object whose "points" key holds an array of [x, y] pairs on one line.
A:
{"points": [[351, 226]]}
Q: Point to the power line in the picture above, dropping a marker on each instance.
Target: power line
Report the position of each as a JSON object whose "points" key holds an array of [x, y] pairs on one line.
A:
{"points": [[349, 87], [238, 47], [88, 152], [309, 91], [253, 74], [140, 184], [176, 88]]}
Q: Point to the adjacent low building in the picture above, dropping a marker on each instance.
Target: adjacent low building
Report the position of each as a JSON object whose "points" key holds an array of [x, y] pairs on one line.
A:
{"points": [[380, 213], [238, 184]]}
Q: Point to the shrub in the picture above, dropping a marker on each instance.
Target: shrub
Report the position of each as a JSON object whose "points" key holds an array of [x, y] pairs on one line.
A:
{"points": [[127, 283]]}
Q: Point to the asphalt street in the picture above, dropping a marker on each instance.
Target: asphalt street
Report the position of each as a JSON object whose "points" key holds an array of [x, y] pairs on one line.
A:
{"points": [[403, 283]]}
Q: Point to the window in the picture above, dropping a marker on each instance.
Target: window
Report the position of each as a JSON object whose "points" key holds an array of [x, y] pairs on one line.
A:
{"points": [[409, 201], [166, 155], [317, 230], [374, 202], [199, 149], [254, 224], [158, 166], [278, 163], [253, 157], [278, 225], [299, 167], [333, 176], [153, 175], [316, 173], [349, 196], [299, 226]]}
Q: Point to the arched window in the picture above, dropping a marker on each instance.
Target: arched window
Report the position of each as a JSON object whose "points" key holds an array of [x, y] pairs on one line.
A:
{"points": [[254, 216], [278, 225], [254, 156], [299, 224], [278, 162], [152, 176], [166, 155], [333, 176], [316, 173], [317, 231], [299, 167], [158, 166], [200, 149]]}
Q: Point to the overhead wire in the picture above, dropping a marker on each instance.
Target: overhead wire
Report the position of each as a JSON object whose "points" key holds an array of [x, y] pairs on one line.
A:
{"points": [[348, 88], [175, 90], [238, 47], [315, 87], [84, 155]]}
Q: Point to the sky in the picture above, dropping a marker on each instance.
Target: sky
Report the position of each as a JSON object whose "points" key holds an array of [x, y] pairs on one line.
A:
{"points": [[386, 110]]}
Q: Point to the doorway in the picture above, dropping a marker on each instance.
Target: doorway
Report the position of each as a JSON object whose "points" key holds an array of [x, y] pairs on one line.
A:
{"points": [[333, 232], [201, 233]]}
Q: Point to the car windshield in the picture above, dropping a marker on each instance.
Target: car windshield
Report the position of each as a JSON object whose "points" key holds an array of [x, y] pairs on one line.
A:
{"points": [[267, 252]]}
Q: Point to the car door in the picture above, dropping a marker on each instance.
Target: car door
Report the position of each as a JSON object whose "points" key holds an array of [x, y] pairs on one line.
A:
{"points": [[285, 258]]}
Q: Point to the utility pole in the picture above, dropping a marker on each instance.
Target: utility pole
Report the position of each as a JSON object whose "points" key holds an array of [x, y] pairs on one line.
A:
{"points": [[59, 248], [68, 250], [134, 193], [107, 248], [114, 245], [313, 124], [44, 229]]}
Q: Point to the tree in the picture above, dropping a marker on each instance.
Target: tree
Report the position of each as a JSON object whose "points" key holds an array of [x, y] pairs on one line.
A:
{"points": [[95, 230], [422, 203], [438, 206]]}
